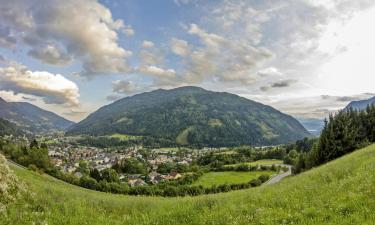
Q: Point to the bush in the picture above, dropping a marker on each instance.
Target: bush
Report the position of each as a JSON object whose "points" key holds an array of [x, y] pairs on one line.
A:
{"points": [[255, 182], [11, 188], [263, 178], [88, 182]]}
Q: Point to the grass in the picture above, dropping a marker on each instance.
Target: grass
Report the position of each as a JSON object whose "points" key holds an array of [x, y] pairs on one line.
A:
{"points": [[341, 192], [228, 177], [262, 162], [182, 138], [124, 137]]}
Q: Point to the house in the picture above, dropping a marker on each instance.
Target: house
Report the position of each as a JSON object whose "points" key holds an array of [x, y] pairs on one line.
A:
{"points": [[155, 177]]}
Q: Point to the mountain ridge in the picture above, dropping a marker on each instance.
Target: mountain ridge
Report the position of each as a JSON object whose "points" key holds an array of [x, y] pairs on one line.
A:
{"points": [[32, 118], [194, 114], [361, 104]]}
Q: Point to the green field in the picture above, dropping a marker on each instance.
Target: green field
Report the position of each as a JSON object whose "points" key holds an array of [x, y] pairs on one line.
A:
{"points": [[228, 177], [341, 192], [262, 162], [124, 137]]}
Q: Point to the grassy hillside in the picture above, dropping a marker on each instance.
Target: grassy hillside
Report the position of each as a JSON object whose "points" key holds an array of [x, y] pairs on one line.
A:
{"points": [[340, 192]]}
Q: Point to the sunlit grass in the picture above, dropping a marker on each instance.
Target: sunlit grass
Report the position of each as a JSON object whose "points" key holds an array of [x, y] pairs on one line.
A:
{"points": [[341, 192], [228, 177]]}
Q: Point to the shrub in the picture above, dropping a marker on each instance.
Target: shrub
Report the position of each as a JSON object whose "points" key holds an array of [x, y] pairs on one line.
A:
{"points": [[255, 182], [263, 178], [11, 188]]}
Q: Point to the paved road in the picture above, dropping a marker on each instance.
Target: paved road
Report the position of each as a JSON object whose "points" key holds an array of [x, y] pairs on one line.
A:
{"points": [[278, 177]]}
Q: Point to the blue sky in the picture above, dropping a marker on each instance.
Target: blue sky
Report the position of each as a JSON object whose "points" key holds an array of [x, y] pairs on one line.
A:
{"points": [[306, 58]]}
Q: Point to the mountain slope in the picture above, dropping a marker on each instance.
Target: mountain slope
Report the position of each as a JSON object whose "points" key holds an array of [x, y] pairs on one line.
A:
{"points": [[8, 128], [360, 105], [31, 117], [340, 192], [192, 115]]}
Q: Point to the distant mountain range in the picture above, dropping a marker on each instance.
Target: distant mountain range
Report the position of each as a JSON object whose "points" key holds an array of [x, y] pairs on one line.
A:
{"points": [[32, 118], [360, 105], [192, 115], [314, 126]]}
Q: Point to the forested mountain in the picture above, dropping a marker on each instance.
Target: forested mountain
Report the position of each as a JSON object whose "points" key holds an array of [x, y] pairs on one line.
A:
{"points": [[192, 115], [31, 117], [8, 128], [361, 105]]}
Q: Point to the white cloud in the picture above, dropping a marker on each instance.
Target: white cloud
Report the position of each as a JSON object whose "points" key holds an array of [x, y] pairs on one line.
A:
{"points": [[180, 47], [52, 88], [157, 72], [147, 44], [123, 87], [84, 30], [128, 31]]}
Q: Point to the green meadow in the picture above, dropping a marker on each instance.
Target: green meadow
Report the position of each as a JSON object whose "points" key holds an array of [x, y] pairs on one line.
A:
{"points": [[228, 177], [340, 192]]}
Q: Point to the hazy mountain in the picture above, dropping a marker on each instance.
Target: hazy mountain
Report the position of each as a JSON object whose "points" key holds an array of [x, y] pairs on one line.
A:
{"points": [[8, 128], [192, 115], [314, 126], [361, 105], [31, 117]]}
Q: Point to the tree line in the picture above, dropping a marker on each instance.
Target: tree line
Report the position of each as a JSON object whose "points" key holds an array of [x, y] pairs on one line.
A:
{"points": [[343, 133]]}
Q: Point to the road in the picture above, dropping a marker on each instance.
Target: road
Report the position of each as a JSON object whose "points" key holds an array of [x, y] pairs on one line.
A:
{"points": [[16, 164], [279, 177]]}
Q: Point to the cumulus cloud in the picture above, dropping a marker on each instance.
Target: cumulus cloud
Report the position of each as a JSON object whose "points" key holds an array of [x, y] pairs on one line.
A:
{"points": [[180, 47], [221, 58], [147, 44], [123, 87], [51, 55], [157, 72], [52, 88], [57, 31]]}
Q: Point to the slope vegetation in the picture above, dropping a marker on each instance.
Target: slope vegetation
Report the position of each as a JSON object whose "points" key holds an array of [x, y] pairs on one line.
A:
{"points": [[340, 192], [32, 118], [192, 115]]}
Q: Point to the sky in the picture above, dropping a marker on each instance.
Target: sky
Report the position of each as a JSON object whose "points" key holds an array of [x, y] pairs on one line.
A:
{"points": [[307, 58]]}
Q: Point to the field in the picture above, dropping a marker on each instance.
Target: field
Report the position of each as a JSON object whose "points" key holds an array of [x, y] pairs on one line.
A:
{"points": [[228, 177], [265, 162], [341, 192], [124, 137]]}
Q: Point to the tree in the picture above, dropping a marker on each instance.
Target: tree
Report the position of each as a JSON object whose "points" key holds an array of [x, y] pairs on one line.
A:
{"points": [[34, 144], [94, 173], [88, 182], [110, 175]]}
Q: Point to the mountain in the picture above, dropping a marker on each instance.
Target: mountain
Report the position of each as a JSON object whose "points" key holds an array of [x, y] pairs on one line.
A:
{"points": [[314, 126], [192, 115], [31, 117], [361, 105], [8, 128]]}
